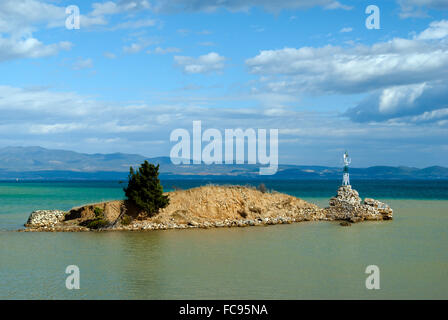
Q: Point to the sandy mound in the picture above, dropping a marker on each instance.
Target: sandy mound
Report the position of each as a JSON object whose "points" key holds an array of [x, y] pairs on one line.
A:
{"points": [[231, 203], [203, 206]]}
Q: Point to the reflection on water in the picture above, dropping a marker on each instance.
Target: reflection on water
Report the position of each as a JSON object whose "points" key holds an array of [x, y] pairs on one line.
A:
{"points": [[299, 261]]}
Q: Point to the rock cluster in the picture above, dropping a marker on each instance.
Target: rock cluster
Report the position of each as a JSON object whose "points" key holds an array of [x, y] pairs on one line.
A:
{"points": [[145, 225], [44, 218], [347, 205], [381, 207]]}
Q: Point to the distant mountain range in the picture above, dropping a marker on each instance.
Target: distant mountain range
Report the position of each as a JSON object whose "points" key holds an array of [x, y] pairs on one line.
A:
{"points": [[40, 163]]}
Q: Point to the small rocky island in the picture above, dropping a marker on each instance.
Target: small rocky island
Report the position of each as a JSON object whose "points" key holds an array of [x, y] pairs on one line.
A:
{"points": [[212, 206], [148, 208]]}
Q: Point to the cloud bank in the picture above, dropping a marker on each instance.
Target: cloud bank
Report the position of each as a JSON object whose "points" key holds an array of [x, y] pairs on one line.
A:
{"points": [[206, 63], [404, 77]]}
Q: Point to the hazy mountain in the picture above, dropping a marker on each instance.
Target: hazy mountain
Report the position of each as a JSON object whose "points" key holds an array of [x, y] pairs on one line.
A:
{"points": [[41, 163], [37, 158]]}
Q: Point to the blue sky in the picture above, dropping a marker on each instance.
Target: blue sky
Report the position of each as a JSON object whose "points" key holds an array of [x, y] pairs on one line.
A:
{"points": [[136, 70]]}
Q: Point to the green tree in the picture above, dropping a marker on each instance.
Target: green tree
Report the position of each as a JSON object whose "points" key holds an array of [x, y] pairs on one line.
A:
{"points": [[144, 189]]}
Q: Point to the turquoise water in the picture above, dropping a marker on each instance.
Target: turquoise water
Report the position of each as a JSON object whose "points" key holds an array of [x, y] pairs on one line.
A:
{"points": [[18, 200], [314, 260]]}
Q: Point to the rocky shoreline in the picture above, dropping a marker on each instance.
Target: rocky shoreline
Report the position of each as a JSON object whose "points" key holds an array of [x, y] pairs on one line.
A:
{"points": [[211, 207]]}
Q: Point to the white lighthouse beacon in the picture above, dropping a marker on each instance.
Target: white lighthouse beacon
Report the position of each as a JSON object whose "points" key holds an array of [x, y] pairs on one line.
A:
{"points": [[346, 177]]}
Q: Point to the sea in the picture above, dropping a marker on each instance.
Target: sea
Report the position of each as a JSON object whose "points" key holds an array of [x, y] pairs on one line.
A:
{"points": [[308, 260]]}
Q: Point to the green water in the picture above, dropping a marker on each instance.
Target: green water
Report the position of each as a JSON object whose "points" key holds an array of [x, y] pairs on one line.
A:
{"points": [[313, 260]]}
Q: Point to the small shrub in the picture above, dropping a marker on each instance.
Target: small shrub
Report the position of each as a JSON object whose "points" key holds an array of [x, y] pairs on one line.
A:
{"points": [[262, 188], [98, 222], [126, 220], [98, 212], [242, 213], [95, 223]]}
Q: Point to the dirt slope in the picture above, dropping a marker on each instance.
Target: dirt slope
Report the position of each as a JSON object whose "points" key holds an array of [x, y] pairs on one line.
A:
{"points": [[204, 206]]}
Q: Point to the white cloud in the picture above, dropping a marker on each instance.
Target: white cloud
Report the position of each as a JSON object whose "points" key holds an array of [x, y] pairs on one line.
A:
{"points": [[430, 116], [20, 17], [403, 77], [418, 8], [105, 140], [86, 21], [55, 128], [243, 5], [115, 7], [203, 64], [345, 30], [12, 48], [160, 50], [337, 5], [438, 4], [139, 44], [83, 64], [416, 103], [437, 30], [101, 10], [334, 69], [355, 69], [393, 98], [142, 23], [15, 103], [133, 48], [18, 20], [105, 8]]}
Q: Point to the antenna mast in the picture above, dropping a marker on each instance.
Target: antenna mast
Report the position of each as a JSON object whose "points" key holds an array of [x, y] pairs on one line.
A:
{"points": [[346, 176]]}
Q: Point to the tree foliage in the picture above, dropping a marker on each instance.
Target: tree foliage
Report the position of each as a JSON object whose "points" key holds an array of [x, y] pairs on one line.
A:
{"points": [[144, 189]]}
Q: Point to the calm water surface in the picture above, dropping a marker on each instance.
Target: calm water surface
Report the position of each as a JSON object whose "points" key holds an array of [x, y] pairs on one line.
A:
{"points": [[314, 260]]}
